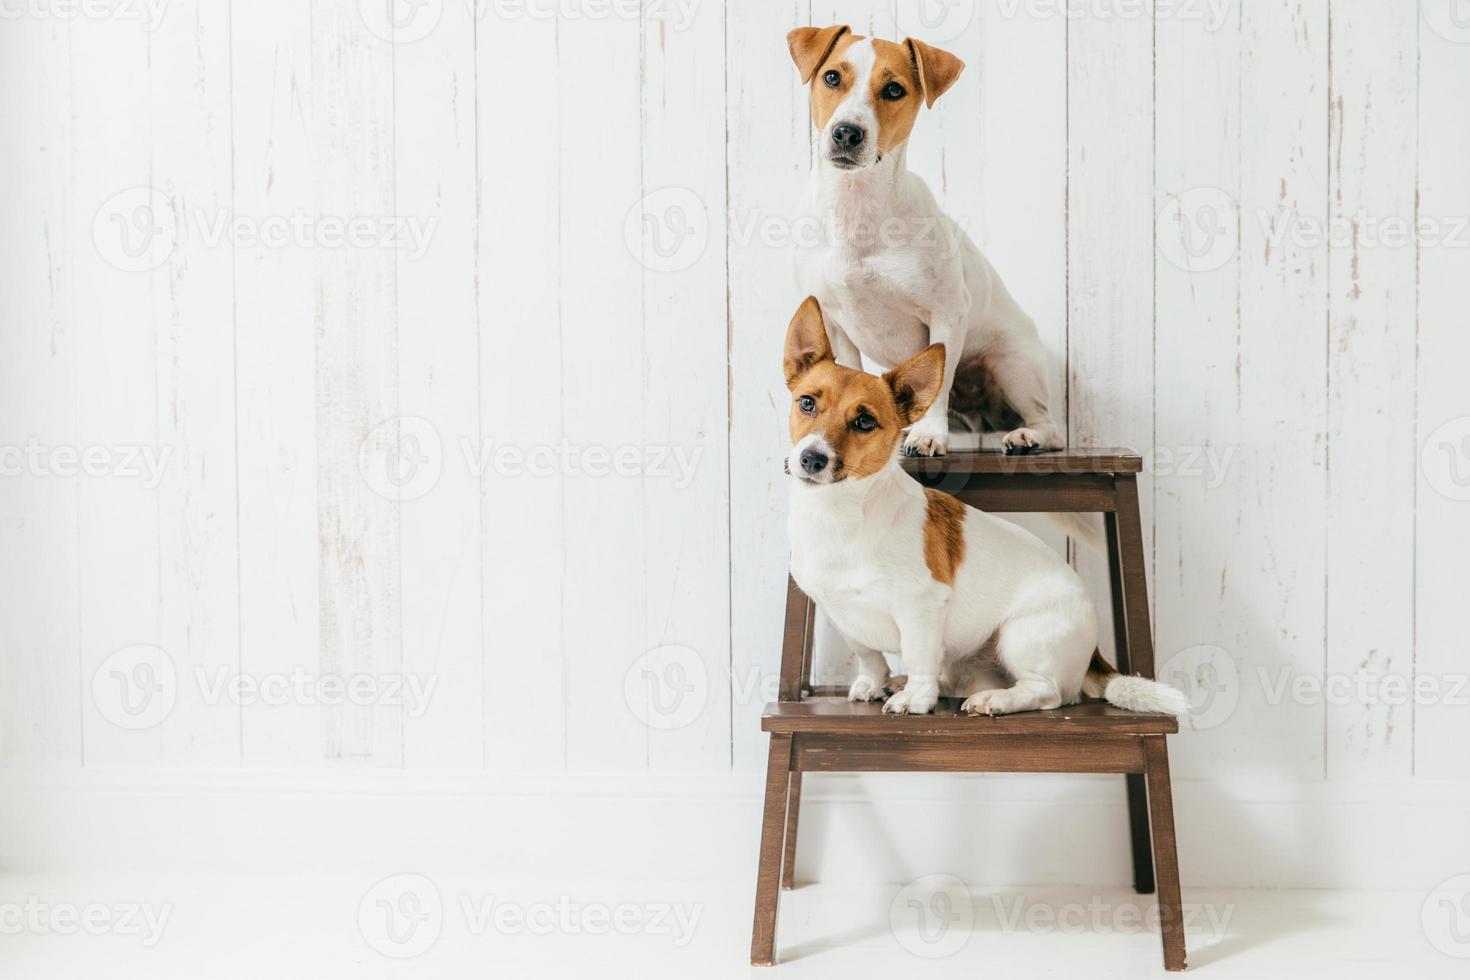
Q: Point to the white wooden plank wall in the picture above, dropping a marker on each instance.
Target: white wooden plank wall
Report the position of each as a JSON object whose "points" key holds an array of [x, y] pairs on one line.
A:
{"points": [[518, 449]]}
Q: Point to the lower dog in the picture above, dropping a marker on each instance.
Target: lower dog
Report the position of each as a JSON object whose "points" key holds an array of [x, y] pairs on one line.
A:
{"points": [[977, 607]]}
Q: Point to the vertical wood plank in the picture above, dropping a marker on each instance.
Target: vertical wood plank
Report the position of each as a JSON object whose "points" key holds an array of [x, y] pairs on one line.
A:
{"points": [[1012, 195], [40, 680], [275, 334], [1198, 495], [1442, 531], [189, 79], [1110, 335], [522, 389], [767, 157], [435, 100], [1370, 384], [602, 302], [357, 426], [131, 226], [1279, 539], [685, 383]]}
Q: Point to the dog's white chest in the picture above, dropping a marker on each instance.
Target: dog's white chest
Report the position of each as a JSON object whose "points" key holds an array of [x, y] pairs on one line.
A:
{"points": [[869, 290], [856, 576]]}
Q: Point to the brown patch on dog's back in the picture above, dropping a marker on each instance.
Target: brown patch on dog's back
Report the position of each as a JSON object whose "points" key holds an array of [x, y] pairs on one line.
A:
{"points": [[944, 535]]}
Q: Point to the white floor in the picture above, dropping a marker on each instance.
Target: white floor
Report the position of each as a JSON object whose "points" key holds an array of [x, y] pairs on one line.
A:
{"points": [[408, 926]]}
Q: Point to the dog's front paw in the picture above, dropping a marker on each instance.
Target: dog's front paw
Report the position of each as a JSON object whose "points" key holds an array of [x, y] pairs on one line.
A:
{"points": [[1019, 442], [980, 704], [918, 697], [997, 701], [866, 689], [927, 437]]}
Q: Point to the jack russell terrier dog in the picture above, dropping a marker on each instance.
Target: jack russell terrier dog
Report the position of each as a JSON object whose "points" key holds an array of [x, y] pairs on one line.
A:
{"points": [[893, 273], [977, 607]]}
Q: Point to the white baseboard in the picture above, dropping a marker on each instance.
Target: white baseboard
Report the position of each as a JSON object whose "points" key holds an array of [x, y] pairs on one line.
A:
{"points": [[986, 829]]}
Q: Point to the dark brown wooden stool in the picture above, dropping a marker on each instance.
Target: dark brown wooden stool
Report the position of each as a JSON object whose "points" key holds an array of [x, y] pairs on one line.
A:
{"points": [[817, 730]]}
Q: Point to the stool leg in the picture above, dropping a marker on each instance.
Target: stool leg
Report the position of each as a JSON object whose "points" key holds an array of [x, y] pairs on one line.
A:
{"points": [[1138, 832], [1133, 570], [793, 812], [768, 878], [1143, 855], [1161, 811]]}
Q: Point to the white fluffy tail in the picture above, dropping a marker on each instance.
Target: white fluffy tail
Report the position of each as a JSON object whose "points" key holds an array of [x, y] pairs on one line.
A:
{"points": [[1132, 693]]}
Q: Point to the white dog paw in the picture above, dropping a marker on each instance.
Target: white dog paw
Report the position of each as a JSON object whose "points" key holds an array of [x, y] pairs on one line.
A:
{"points": [[910, 702], [1018, 442], [927, 437], [992, 702], [866, 689]]}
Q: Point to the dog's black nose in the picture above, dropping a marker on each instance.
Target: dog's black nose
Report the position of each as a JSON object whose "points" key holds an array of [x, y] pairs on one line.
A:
{"points": [[812, 461], [847, 136]]}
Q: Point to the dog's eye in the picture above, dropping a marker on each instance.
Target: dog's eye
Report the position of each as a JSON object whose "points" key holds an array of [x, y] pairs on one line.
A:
{"points": [[832, 78], [892, 91], [865, 423], [807, 404]]}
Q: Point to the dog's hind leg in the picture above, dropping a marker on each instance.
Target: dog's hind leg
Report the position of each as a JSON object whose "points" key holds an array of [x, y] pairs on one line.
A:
{"points": [[1046, 652], [1029, 693], [1020, 374]]}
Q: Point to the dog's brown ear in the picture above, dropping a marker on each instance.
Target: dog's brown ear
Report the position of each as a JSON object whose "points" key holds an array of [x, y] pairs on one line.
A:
{"points": [[811, 45], [915, 383], [937, 69], [806, 340]]}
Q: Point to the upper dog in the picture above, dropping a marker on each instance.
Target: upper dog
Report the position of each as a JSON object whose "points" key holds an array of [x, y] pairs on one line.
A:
{"points": [[892, 271], [977, 607]]}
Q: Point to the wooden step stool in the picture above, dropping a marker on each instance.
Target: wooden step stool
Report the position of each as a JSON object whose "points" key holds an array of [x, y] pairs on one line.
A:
{"points": [[817, 730]]}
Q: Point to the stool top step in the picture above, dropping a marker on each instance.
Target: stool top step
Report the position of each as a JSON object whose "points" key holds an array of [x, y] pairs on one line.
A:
{"points": [[835, 716], [1068, 461]]}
